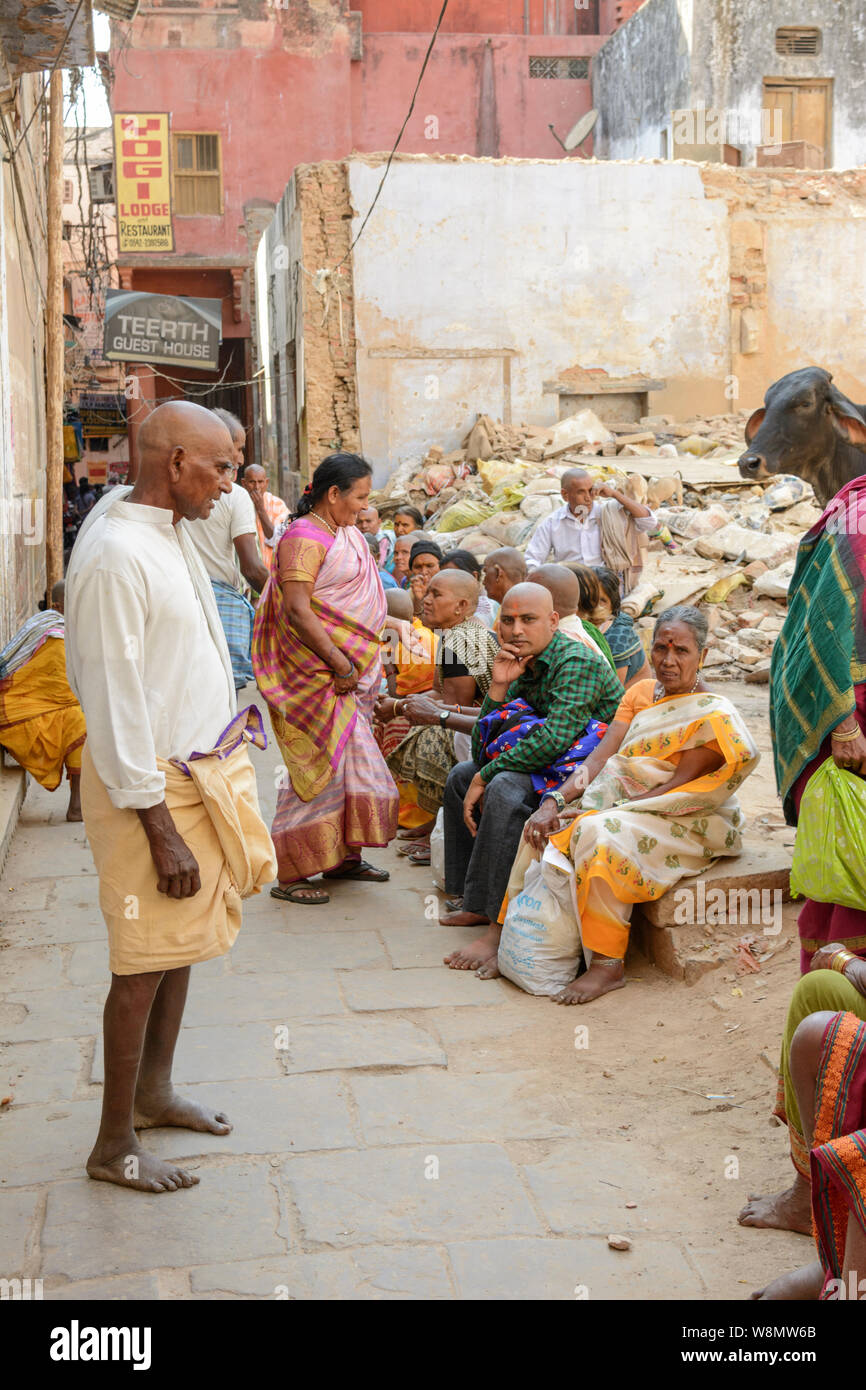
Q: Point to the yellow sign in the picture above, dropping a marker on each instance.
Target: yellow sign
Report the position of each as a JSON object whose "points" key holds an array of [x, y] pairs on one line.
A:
{"points": [[143, 184]]}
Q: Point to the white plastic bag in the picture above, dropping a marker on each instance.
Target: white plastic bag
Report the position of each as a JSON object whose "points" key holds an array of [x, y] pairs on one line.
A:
{"points": [[540, 947], [437, 851]]}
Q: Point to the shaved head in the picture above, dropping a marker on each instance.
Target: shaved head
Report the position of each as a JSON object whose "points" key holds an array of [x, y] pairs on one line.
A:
{"points": [[502, 569], [399, 603], [527, 619], [186, 459], [562, 585], [574, 475], [451, 597]]}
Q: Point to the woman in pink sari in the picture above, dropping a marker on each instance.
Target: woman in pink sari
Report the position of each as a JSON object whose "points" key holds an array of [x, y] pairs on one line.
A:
{"points": [[316, 656]]}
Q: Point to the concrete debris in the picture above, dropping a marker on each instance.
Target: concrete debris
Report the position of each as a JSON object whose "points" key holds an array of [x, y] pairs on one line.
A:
{"points": [[725, 543]]}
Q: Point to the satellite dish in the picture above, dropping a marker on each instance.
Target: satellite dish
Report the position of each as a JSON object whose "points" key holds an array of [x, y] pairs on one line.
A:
{"points": [[579, 132]]}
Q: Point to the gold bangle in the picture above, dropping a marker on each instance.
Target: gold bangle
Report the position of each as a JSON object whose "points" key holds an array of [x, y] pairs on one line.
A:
{"points": [[840, 960], [847, 737]]}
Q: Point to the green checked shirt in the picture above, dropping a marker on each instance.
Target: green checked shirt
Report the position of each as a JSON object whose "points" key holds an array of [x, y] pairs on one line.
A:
{"points": [[569, 685]]}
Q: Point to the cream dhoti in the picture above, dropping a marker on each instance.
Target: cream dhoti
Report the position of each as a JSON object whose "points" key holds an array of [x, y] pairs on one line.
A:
{"points": [[213, 803]]}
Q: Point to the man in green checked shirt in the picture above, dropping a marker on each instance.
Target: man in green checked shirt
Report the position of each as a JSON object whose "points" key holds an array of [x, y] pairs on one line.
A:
{"points": [[487, 806]]}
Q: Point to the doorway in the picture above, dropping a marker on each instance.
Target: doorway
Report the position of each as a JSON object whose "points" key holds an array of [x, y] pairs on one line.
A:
{"points": [[805, 107]]}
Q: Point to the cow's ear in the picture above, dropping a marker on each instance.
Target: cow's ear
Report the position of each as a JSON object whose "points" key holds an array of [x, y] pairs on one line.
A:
{"points": [[847, 421], [754, 423]]}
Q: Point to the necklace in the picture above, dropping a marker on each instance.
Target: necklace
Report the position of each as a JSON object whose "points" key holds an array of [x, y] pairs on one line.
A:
{"points": [[331, 528], [660, 690]]}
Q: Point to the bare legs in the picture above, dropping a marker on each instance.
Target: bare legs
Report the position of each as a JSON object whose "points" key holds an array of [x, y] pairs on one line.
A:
{"points": [[141, 1022], [73, 810]]}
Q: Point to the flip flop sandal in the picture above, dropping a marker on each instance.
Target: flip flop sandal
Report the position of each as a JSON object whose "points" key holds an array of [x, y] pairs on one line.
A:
{"points": [[419, 857], [453, 904], [289, 895], [411, 846], [359, 869]]}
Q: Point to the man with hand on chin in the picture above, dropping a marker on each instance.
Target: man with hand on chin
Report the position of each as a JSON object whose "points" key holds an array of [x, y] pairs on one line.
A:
{"points": [[486, 806]]}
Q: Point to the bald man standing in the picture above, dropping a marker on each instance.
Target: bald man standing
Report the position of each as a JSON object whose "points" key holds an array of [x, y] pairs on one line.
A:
{"points": [[567, 684], [597, 525], [167, 788]]}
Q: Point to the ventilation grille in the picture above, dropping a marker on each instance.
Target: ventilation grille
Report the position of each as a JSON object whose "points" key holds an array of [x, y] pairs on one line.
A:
{"points": [[797, 42], [559, 67]]}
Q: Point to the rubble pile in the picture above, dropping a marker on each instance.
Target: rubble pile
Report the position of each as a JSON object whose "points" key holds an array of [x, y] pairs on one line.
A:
{"points": [[724, 543]]}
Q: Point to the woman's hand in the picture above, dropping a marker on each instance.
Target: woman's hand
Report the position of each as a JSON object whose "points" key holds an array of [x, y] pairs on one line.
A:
{"points": [[850, 753], [541, 824], [346, 683], [854, 972], [420, 709], [417, 588], [384, 709]]}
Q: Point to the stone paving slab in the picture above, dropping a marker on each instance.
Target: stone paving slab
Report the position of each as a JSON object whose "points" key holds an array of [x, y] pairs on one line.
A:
{"points": [[424, 945], [419, 989], [88, 964], [125, 1288], [511, 1270], [577, 1196], [370, 1272], [17, 1214], [381, 1195], [297, 1114], [350, 1043], [264, 916], [24, 897], [280, 998], [94, 1229], [48, 851], [40, 1071], [32, 967], [69, 1012], [324, 950], [53, 926], [430, 1108], [45, 1142], [229, 1053]]}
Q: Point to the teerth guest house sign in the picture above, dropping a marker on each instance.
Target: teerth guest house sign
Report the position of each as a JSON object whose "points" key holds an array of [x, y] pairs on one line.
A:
{"points": [[143, 183], [145, 327]]}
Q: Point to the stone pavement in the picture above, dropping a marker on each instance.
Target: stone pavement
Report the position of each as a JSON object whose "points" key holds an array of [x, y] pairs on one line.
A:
{"points": [[400, 1130]]}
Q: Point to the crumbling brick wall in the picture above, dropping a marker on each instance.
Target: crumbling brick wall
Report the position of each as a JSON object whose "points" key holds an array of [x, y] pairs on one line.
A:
{"points": [[331, 394]]}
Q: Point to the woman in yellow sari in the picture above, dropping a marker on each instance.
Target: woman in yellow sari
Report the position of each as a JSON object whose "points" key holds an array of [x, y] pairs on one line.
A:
{"points": [[657, 801]]}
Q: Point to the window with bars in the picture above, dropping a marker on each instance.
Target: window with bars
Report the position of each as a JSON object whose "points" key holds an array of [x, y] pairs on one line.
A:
{"points": [[197, 174], [797, 41], [68, 191], [559, 67]]}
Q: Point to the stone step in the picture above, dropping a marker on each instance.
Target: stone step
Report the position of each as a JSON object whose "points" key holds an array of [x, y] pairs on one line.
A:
{"points": [[692, 928]]}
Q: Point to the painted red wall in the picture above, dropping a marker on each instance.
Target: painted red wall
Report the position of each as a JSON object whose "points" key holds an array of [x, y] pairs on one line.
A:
{"points": [[471, 16]]}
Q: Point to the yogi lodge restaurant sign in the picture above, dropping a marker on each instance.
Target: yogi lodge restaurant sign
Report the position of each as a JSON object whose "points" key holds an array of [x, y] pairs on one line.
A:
{"points": [[145, 327], [143, 183]]}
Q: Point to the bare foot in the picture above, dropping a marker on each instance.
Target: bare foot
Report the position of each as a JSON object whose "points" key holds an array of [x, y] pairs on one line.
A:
{"points": [[790, 1210], [477, 953], [137, 1168], [462, 919], [72, 814], [73, 810], [601, 977], [490, 969], [802, 1285], [173, 1111]]}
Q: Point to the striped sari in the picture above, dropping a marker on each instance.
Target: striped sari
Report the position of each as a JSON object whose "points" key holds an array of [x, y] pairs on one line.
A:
{"points": [[338, 794], [838, 1158]]}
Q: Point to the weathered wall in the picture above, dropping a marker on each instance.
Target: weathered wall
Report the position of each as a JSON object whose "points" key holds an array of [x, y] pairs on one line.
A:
{"points": [[641, 74], [473, 271], [684, 54], [22, 372], [476, 283]]}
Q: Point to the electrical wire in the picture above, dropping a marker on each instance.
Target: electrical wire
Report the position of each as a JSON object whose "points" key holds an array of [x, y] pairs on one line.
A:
{"points": [[357, 236]]}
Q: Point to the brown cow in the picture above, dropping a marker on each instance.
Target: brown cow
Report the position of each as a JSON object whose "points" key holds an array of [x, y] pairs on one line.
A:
{"points": [[807, 427]]}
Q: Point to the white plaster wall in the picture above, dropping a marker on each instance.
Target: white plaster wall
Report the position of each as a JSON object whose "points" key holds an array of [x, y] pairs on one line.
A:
{"points": [[816, 274], [573, 263]]}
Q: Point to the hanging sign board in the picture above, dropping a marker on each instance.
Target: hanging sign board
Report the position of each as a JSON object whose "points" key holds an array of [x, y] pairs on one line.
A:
{"points": [[142, 182], [145, 327]]}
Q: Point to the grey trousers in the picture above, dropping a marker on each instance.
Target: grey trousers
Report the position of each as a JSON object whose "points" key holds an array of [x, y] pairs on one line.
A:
{"points": [[480, 868]]}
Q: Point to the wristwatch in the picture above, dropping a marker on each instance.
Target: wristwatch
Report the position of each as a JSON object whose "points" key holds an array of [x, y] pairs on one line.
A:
{"points": [[557, 798], [443, 717]]}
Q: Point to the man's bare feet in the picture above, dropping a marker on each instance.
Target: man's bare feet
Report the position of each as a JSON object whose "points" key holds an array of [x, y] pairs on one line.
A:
{"points": [[73, 810], [602, 976], [790, 1210], [478, 953], [136, 1168], [490, 969], [176, 1112], [801, 1285], [462, 919]]}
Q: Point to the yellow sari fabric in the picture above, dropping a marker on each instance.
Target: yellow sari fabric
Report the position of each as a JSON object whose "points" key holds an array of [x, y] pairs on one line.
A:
{"points": [[41, 722]]}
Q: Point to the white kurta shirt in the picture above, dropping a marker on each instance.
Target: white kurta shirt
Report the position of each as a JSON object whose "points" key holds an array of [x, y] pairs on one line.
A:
{"points": [[562, 537], [143, 651]]}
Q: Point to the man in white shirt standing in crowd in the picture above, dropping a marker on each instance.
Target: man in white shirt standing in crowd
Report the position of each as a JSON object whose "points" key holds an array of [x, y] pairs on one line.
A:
{"points": [[167, 787], [228, 545], [597, 526]]}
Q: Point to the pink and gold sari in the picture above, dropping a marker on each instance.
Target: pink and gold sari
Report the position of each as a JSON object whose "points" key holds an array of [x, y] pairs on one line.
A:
{"points": [[338, 794]]}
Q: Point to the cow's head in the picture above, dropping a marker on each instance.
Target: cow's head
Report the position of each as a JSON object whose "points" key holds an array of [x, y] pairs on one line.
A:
{"points": [[798, 426]]}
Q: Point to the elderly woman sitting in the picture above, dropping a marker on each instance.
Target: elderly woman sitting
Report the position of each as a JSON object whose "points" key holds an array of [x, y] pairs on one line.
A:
{"points": [[657, 801]]}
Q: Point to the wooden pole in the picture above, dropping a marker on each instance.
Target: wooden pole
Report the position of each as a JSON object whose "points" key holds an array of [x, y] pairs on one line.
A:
{"points": [[54, 342]]}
